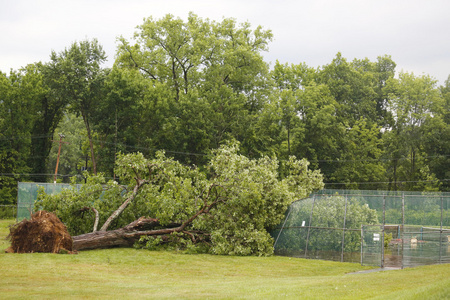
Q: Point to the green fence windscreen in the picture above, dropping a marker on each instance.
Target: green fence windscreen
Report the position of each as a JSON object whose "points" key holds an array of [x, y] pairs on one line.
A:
{"points": [[27, 195]]}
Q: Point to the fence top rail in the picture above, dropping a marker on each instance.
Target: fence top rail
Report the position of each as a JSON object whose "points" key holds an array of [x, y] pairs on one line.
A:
{"points": [[359, 195], [388, 196], [436, 229], [381, 192], [377, 194], [315, 227]]}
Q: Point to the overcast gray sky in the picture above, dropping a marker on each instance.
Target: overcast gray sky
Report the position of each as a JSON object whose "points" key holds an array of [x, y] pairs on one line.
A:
{"points": [[415, 33]]}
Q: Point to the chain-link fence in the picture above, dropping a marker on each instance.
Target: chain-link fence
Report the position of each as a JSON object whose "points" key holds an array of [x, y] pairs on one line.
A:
{"points": [[388, 229], [28, 192]]}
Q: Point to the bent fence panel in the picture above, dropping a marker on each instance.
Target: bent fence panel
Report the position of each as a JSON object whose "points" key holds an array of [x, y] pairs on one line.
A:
{"points": [[380, 228]]}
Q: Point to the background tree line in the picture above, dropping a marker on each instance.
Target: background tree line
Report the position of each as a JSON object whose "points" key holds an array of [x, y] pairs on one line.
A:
{"points": [[188, 86]]}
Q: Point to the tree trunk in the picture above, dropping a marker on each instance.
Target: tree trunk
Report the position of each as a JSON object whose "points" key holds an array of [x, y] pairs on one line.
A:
{"points": [[125, 236], [91, 144], [129, 234], [102, 239]]}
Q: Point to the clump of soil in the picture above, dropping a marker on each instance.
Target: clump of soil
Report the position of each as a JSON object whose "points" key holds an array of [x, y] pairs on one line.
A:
{"points": [[44, 232]]}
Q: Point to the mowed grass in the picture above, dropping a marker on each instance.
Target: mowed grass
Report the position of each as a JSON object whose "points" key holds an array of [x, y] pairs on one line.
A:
{"points": [[130, 274]]}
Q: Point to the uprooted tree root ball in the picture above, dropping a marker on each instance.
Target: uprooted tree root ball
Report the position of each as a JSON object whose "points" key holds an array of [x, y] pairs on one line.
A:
{"points": [[44, 232]]}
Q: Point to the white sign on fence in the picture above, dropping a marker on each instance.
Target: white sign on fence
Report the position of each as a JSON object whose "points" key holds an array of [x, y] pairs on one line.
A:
{"points": [[376, 237]]}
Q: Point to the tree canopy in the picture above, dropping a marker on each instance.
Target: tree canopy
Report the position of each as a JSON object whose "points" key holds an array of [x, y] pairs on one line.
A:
{"points": [[188, 86]]}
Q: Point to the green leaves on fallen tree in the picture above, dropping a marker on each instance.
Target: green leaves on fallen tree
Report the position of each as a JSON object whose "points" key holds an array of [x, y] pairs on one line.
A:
{"points": [[231, 206]]}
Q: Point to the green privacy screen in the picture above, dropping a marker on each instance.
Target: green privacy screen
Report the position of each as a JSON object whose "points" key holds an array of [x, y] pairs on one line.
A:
{"points": [[27, 195]]}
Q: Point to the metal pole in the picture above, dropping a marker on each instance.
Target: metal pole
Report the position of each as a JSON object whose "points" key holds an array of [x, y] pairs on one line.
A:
{"points": [[403, 227], [289, 212], [362, 242], [18, 202], [309, 226], [382, 231], [440, 233], [343, 231], [61, 136]]}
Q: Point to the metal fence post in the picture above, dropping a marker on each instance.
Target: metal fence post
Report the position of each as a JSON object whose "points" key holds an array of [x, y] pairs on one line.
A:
{"points": [[440, 233], [282, 227], [362, 242], [382, 231], [403, 227], [309, 225], [343, 229]]}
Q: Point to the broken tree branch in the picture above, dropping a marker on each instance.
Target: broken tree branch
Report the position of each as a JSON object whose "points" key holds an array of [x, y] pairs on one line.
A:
{"points": [[124, 205], [131, 233]]}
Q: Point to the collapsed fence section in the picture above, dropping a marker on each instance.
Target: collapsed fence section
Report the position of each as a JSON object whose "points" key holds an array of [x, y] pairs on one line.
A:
{"points": [[370, 227]]}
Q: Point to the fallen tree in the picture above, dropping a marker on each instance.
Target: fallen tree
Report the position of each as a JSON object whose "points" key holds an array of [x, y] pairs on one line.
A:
{"points": [[44, 232], [131, 233], [125, 236], [230, 208]]}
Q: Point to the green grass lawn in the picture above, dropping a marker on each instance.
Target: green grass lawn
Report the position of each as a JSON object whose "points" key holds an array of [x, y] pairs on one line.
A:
{"points": [[132, 274]]}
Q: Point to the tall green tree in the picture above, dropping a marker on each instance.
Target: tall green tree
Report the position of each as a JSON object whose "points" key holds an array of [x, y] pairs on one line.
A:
{"points": [[119, 117], [437, 140], [79, 78], [18, 95], [323, 130], [211, 70], [339, 110], [358, 87], [308, 113], [361, 165], [48, 111], [414, 102], [290, 82]]}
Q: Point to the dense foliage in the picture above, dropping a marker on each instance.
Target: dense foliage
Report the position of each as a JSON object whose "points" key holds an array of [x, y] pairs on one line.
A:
{"points": [[244, 198], [187, 86]]}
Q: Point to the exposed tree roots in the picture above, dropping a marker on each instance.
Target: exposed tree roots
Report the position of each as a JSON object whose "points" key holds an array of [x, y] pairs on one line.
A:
{"points": [[44, 232]]}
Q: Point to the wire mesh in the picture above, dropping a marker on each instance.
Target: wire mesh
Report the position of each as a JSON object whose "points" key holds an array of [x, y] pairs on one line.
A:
{"points": [[380, 228], [372, 245]]}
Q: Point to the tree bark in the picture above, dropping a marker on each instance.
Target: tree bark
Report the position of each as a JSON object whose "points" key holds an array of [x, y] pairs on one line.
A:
{"points": [[91, 144], [125, 236], [114, 215], [131, 233], [96, 214]]}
